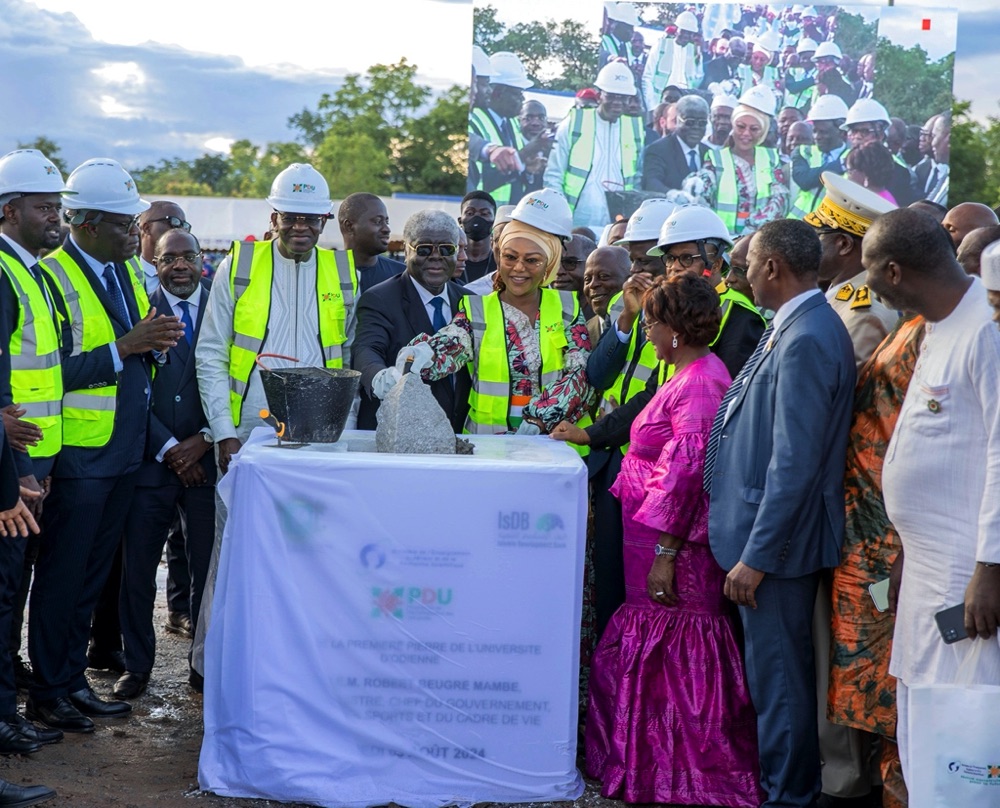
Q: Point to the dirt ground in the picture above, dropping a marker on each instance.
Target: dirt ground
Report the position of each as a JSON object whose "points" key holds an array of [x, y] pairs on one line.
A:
{"points": [[150, 758]]}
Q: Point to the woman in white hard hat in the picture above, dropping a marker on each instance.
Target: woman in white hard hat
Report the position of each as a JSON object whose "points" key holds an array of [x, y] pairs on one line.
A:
{"points": [[526, 345], [747, 187]]}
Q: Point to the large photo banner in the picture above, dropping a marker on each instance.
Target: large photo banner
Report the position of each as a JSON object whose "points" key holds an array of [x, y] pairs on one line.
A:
{"points": [[616, 102]]}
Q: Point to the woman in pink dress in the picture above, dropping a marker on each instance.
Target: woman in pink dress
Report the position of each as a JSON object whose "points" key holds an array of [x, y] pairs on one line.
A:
{"points": [[669, 718]]}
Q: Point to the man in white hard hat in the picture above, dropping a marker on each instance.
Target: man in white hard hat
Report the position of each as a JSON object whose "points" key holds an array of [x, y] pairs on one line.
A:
{"points": [[500, 165], [675, 59], [809, 163], [721, 118], [616, 44], [829, 79], [989, 264], [597, 149], [284, 296], [111, 339], [800, 79], [868, 122], [667, 161], [30, 383]]}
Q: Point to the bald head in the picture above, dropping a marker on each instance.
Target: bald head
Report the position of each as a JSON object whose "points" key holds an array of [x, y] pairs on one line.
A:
{"points": [[606, 271], [972, 246], [963, 219], [160, 217], [932, 208]]}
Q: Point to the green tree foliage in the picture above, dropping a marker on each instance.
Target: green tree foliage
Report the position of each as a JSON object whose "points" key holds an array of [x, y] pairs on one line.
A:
{"points": [[910, 85], [557, 55], [378, 133], [49, 149], [975, 158], [854, 36]]}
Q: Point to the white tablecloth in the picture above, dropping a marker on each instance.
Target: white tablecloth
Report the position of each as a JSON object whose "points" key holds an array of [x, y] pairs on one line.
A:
{"points": [[397, 628]]}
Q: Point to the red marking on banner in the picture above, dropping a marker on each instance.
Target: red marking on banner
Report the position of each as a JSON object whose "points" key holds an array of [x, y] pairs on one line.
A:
{"points": [[925, 24]]}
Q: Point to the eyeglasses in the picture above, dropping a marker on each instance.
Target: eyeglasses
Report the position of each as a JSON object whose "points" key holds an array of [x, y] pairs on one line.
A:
{"points": [[169, 260], [125, 227], [738, 271], [685, 260], [861, 131], [570, 263], [427, 250], [175, 222], [533, 263], [648, 326], [292, 219]]}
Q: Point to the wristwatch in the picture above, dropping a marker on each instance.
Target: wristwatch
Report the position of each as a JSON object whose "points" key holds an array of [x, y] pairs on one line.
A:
{"points": [[660, 550], [207, 437]]}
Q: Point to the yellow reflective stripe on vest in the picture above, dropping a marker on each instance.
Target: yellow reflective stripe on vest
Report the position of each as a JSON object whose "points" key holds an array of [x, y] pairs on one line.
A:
{"points": [[35, 363], [89, 414], [489, 399], [728, 198], [483, 124], [583, 138], [250, 285], [731, 299]]}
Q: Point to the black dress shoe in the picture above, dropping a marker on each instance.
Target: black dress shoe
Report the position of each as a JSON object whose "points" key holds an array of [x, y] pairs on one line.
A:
{"points": [[179, 623], [13, 742], [12, 796], [24, 678], [31, 732], [58, 713], [86, 701], [131, 685], [196, 680], [106, 660]]}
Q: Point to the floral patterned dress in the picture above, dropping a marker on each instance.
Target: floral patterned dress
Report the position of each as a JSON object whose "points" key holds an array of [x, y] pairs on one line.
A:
{"points": [[567, 399], [755, 206]]}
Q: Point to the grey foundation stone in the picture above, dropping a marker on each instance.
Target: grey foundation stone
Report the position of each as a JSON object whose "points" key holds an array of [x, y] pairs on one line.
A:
{"points": [[410, 421]]}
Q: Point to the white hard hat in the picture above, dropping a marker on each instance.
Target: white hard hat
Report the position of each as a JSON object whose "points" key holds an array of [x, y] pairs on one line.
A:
{"points": [[481, 62], [502, 215], [760, 98], [724, 100], [622, 12], [615, 77], [770, 42], [547, 210], [645, 223], [686, 21], [805, 45], [828, 107], [508, 70], [797, 9], [989, 267], [28, 171], [102, 184], [866, 110], [691, 223], [300, 188], [809, 11], [828, 49]]}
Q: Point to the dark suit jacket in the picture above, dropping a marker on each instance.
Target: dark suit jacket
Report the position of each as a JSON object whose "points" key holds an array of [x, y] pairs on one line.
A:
{"points": [[10, 490], [777, 501], [91, 369], [665, 165], [391, 314], [176, 406]]}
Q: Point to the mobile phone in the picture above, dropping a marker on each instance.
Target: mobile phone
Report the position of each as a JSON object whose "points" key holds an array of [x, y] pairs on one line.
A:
{"points": [[951, 623], [880, 594]]}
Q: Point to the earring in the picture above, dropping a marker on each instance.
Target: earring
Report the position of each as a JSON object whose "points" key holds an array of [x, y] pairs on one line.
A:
{"points": [[674, 344]]}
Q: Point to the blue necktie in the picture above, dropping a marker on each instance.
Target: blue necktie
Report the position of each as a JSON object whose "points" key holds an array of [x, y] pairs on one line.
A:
{"points": [[437, 321], [692, 161], [720, 417], [115, 295], [185, 308]]}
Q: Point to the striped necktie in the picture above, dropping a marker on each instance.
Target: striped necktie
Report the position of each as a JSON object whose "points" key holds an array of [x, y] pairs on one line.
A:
{"points": [[720, 417]]}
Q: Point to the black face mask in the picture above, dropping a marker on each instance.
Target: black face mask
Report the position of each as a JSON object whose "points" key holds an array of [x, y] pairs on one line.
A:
{"points": [[477, 228]]}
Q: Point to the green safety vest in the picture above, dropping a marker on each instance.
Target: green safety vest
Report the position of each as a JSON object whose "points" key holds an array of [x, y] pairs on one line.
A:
{"points": [[727, 202], [484, 125], [88, 416], [250, 286], [489, 398], [808, 199], [583, 128], [803, 98], [609, 44], [769, 77], [35, 364]]}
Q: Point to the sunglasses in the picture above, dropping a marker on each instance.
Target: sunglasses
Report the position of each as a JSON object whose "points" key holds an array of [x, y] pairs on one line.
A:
{"points": [[685, 260], [175, 222], [427, 250], [292, 219], [169, 260]]}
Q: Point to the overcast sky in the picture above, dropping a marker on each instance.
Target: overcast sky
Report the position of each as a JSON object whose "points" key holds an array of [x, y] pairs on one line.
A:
{"points": [[101, 78]]}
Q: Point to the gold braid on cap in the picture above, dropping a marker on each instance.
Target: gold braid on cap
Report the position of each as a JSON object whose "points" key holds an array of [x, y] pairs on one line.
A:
{"points": [[831, 214]]}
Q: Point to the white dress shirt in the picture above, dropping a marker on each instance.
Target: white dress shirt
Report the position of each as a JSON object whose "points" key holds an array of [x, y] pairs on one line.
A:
{"points": [[193, 303], [426, 297]]}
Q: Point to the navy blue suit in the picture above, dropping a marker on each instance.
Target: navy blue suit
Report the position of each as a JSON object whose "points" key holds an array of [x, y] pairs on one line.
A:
{"points": [[85, 513], [777, 505], [160, 495], [391, 314]]}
